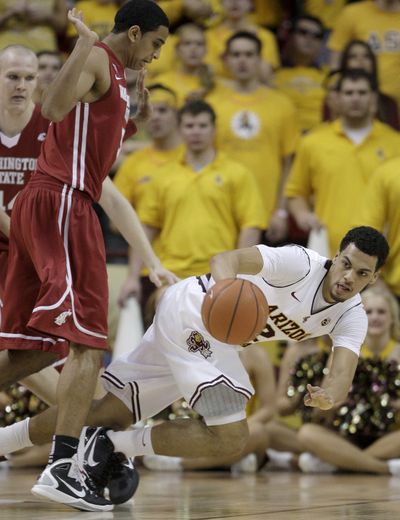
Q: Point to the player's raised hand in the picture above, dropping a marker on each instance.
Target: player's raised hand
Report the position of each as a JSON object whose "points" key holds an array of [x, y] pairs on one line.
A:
{"points": [[144, 107], [161, 276], [76, 18], [318, 397]]}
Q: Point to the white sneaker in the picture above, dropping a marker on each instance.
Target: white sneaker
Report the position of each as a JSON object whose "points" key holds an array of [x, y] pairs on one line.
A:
{"points": [[248, 464], [309, 463], [394, 467], [281, 460], [162, 463]]}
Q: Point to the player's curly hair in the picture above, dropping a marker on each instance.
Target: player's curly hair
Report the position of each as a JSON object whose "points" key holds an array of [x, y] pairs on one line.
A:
{"points": [[146, 14], [368, 240]]}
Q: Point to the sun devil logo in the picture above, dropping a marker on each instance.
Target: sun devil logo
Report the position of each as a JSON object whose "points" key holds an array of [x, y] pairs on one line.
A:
{"points": [[62, 318], [197, 343], [326, 321]]}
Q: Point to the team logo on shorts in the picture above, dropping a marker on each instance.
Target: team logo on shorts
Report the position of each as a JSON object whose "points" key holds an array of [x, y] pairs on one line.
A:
{"points": [[326, 321], [197, 343], [62, 318]]}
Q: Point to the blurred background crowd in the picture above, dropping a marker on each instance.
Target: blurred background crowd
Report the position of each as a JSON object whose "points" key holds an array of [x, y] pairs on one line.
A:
{"points": [[273, 122]]}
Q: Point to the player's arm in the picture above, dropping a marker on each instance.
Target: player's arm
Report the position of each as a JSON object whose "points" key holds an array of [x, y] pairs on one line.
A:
{"points": [[121, 213], [4, 223], [77, 76], [336, 384], [239, 261]]}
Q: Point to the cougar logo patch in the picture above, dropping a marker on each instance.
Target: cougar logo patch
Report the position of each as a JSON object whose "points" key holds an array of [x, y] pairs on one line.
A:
{"points": [[62, 318], [197, 343]]}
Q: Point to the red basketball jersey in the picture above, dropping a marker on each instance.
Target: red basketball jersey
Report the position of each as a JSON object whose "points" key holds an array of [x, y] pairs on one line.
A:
{"points": [[80, 150], [18, 157]]}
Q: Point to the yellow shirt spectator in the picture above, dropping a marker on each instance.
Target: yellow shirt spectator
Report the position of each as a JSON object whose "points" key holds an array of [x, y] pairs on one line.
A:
{"points": [[99, 17], [303, 85], [258, 129], [182, 84], [209, 207], [381, 29], [19, 29], [217, 37], [334, 172], [382, 211], [326, 10]]}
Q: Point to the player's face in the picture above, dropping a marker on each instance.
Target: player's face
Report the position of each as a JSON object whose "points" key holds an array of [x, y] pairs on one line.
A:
{"points": [[162, 121], [192, 48], [359, 58], [351, 272], [49, 66], [18, 79], [379, 314], [243, 59], [198, 131], [356, 99], [146, 46]]}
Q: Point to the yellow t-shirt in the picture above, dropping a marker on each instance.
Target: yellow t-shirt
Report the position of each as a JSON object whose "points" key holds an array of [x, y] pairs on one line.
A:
{"points": [[182, 84], [257, 129], [140, 168], [303, 85], [172, 8], [35, 37], [98, 17], [264, 12], [382, 211], [365, 21], [217, 36], [333, 172], [199, 214], [326, 10], [367, 354]]}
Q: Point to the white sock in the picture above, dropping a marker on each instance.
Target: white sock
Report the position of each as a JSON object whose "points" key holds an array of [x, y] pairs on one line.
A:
{"points": [[15, 437], [133, 443], [394, 467], [279, 459]]}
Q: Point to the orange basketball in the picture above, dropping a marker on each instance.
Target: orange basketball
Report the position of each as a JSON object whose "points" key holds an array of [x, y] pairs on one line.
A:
{"points": [[234, 311]]}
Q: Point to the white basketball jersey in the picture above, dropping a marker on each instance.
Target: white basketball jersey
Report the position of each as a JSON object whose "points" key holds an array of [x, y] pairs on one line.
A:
{"points": [[291, 280]]}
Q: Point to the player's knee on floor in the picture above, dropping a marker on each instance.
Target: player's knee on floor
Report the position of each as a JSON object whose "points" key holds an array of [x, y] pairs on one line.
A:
{"points": [[308, 434], [228, 439]]}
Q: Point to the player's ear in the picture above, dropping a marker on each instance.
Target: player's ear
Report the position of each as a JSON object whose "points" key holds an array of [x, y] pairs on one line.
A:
{"points": [[375, 277], [134, 33]]}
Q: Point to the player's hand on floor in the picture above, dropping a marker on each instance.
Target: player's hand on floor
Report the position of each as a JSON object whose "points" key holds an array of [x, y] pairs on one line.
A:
{"points": [[161, 276], [318, 397]]}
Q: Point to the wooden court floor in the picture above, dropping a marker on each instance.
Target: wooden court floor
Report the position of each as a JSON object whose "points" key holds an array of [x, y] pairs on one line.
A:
{"points": [[211, 495]]}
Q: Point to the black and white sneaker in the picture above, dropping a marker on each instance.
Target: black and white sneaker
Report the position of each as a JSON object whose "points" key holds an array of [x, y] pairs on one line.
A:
{"points": [[107, 471], [64, 482]]}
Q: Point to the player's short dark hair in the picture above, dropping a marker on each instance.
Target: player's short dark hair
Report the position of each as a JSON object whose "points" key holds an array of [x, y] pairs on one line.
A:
{"points": [[197, 107], [247, 35], [356, 75], [146, 14], [368, 240]]}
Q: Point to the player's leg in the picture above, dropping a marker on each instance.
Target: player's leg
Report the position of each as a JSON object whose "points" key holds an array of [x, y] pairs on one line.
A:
{"points": [[18, 364]]}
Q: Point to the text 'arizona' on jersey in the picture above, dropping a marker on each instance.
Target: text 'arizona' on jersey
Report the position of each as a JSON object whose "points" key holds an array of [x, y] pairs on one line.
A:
{"points": [[82, 158]]}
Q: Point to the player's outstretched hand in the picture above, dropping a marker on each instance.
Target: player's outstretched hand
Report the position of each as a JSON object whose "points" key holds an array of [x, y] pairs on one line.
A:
{"points": [[76, 18], [144, 107], [318, 397], [161, 276]]}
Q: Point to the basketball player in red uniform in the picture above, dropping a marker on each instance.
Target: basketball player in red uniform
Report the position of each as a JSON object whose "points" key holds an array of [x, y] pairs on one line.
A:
{"points": [[57, 258]]}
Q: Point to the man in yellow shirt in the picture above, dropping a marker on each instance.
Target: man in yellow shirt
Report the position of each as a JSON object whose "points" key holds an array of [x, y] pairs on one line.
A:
{"points": [[256, 126], [378, 23], [301, 78], [334, 163], [382, 210], [199, 204], [191, 76]]}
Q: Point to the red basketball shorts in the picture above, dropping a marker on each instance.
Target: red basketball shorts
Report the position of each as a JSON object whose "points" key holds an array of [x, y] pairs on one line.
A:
{"points": [[56, 287]]}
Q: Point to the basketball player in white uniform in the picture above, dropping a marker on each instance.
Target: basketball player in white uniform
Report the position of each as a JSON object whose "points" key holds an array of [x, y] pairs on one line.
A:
{"points": [[308, 296]]}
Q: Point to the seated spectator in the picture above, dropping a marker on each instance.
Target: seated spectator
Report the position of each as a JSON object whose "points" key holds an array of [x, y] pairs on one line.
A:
{"points": [[327, 11], [300, 78], [32, 23], [360, 435]]}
